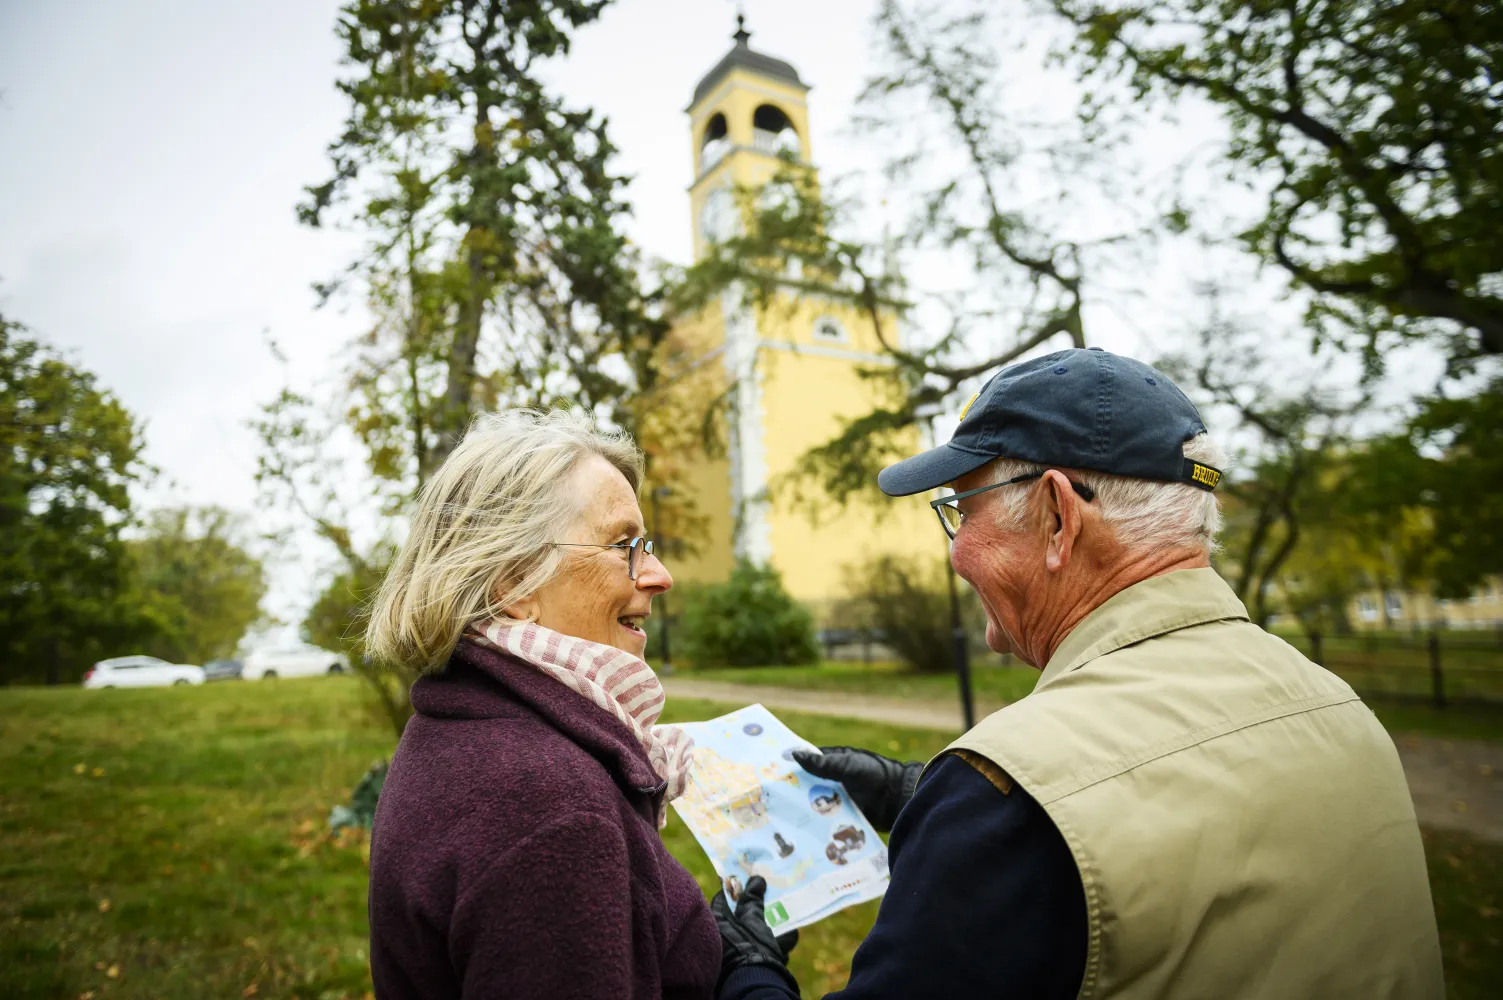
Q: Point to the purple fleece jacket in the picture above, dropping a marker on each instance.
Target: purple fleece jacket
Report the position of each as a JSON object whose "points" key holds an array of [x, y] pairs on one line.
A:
{"points": [[515, 852]]}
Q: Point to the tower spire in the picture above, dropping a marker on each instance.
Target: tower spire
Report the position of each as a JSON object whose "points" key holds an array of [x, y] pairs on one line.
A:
{"points": [[742, 36]]}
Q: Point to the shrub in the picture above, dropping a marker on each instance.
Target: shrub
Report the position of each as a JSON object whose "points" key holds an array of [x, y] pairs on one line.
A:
{"points": [[749, 620], [907, 604]]}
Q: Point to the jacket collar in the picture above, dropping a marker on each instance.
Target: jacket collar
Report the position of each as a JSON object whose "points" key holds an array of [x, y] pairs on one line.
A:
{"points": [[481, 683], [1148, 608]]}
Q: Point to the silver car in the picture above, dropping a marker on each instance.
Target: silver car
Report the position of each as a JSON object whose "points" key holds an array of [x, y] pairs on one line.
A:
{"points": [[299, 660]]}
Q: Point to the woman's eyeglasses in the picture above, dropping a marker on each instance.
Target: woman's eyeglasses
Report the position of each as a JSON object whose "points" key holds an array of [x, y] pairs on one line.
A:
{"points": [[634, 551], [951, 517]]}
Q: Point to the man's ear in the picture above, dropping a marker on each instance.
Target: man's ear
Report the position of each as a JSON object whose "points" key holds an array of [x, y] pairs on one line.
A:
{"points": [[1062, 511]]}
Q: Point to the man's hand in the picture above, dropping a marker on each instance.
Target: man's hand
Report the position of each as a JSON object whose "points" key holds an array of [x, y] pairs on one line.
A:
{"points": [[745, 938], [880, 786]]}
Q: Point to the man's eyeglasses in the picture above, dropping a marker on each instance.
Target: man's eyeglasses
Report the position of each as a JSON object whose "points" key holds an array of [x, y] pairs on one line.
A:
{"points": [[635, 549], [951, 517]]}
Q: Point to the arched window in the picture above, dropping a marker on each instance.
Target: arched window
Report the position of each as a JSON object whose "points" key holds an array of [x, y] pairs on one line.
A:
{"points": [[772, 132], [715, 143], [828, 328]]}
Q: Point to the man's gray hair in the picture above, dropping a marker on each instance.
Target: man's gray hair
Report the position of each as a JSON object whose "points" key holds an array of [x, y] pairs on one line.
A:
{"points": [[1144, 513]]}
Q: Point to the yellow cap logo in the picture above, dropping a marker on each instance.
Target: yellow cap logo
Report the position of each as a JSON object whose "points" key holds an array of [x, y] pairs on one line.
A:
{"points": [[1205, 474], [967, 408]]}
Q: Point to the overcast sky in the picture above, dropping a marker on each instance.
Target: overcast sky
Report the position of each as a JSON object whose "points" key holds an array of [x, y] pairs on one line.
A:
{"points": [[154, 153]]}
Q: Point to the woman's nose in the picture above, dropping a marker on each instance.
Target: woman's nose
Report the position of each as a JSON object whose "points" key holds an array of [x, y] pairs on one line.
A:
{"points": [[652, 574]]}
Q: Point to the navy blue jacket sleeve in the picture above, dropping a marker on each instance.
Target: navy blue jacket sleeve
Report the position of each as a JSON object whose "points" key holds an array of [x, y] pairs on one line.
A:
{"points": [[985, 901]]}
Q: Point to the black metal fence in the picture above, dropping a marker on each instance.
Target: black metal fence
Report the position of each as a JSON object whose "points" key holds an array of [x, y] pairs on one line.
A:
{"points": [[1441, 667]]}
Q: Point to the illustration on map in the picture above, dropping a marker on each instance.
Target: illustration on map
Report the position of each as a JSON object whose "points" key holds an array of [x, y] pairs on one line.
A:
{"points": [[844, 841], [755, 811], [824, 798]]}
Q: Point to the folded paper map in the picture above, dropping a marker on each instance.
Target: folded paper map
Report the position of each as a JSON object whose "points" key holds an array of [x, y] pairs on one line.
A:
{"points": [[756, 812]]}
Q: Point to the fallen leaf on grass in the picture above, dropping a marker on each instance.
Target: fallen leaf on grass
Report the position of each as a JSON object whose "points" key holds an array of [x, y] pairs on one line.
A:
{"points": [[80, 768], [86, 995], [104, 906], [249, 991], [98, 772], [113, 972]]}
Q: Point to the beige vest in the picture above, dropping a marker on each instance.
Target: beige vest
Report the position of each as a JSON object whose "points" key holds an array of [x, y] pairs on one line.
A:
{"points": [[1240, 819]]}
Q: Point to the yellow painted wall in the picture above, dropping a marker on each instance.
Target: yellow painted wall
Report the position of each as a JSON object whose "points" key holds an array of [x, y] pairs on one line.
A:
{"points": [[807, 391], [699, 515]]}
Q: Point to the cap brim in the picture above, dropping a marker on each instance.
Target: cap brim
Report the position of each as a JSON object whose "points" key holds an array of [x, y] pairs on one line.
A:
{"points": [[929, 470]]}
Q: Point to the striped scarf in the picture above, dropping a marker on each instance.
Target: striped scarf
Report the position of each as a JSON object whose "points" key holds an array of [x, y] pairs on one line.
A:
{"points": [[613, 679]]}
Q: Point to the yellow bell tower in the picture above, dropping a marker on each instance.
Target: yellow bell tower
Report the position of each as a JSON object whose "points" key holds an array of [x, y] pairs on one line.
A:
{"points": [[789, 374]]}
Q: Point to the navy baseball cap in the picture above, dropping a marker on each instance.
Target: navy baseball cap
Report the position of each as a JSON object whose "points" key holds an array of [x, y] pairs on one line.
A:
{"points": [[1076, 409]]}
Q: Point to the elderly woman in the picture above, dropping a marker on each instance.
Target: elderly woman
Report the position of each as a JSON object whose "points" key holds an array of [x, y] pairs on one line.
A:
{"points": [[516, 849]]}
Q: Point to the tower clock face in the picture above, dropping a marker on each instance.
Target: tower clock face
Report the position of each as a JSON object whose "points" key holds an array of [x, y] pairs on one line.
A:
{"points": [[717, 219]]}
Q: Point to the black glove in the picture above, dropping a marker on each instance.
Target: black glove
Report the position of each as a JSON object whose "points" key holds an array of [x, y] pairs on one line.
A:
{"points": [[880, 786], [745, 938]]}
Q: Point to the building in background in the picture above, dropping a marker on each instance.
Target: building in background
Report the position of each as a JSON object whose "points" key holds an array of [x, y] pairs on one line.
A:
{"points": [[1405, 610], [781, 379]]}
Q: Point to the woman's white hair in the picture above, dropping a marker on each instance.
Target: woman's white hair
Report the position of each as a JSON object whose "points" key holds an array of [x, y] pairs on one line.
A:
{"points": [[1144, 513], [480, 532]]}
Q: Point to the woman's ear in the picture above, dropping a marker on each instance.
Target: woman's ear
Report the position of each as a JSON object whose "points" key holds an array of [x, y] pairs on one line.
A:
{"points": [[525, 609]]}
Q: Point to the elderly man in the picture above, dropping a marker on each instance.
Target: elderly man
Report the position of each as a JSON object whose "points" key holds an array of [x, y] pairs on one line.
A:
{"points": [[1184, 806]]}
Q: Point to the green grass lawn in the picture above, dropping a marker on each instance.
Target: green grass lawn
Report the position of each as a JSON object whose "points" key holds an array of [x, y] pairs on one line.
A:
{"points": [[167, 843]]}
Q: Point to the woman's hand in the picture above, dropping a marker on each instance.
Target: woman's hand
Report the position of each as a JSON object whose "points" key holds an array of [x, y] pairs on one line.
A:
{"points": [[745, 938]]}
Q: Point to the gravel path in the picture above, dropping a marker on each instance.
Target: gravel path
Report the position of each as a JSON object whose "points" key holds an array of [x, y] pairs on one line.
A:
{"points": [[1456, 784], [918, 714]]}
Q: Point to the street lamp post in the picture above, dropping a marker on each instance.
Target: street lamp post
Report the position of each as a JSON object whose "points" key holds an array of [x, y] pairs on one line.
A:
{"points": [[960, 646], [657, 529]]}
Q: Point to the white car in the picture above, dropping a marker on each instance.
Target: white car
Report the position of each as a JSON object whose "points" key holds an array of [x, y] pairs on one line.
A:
{"points": [[141, 671], [292, 661]]}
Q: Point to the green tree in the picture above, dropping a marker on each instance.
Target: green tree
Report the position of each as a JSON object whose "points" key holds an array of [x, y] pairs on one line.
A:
{"points": [[749, 620], [68, 455], [337, 621], [1446, 463], [494, 266], [906, 603], [1295, 431], [1374, 127], [194, 583]]}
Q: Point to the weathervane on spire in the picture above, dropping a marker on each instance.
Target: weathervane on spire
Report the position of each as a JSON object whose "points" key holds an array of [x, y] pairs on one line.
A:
{"points": [[742, 36]]}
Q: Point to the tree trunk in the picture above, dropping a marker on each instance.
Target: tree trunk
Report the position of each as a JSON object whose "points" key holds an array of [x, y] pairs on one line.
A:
{"points": [[459, 390]]}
